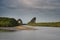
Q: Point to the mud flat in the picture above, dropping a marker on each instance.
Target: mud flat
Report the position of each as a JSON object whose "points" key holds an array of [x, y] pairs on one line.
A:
{"points": [[25, 28]]}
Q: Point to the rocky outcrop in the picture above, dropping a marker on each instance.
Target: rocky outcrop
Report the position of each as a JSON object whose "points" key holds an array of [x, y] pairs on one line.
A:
{"points": [[32, 21], [19, 21]]}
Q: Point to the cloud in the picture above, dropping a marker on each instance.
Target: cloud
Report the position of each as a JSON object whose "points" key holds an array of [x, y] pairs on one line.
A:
{"points": [[42, 4]]}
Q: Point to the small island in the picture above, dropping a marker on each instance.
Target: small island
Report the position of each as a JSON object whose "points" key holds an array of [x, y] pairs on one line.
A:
{"points": [[11, 24]]}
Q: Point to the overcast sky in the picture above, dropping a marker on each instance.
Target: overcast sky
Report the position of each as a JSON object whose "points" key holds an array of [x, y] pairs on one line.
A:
{"points": [[43, 10]]}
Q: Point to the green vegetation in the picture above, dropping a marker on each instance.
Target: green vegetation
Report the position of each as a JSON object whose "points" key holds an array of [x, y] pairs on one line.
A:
{"points": [[8, 22], [51, 24]]}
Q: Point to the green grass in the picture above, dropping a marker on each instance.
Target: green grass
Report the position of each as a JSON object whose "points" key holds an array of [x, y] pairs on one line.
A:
{"points": [[51, 24]]}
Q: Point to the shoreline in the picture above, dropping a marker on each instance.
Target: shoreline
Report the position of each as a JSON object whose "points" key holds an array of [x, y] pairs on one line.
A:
{"points": [[16, 28], [24, 28]]}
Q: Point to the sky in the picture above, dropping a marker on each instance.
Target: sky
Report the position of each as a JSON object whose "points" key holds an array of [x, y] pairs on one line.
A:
{"points": [[43, 10]]}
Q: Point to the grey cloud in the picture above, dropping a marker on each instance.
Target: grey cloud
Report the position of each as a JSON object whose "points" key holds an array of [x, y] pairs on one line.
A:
{"points": [[42, 4], [47, 4]]}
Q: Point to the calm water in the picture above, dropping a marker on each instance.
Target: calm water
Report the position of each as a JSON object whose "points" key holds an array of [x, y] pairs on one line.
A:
{"points": [[44, 33]]}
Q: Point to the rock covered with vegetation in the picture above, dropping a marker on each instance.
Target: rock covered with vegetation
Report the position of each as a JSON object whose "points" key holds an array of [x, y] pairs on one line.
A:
{"points": [[20, 22], [32, 21], [8, 22]]}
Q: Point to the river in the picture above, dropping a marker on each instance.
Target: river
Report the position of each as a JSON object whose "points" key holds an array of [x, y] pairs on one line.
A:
{"points": [[43, 33]]}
